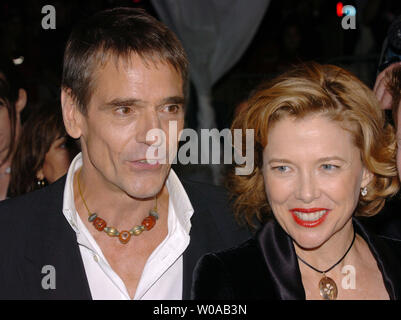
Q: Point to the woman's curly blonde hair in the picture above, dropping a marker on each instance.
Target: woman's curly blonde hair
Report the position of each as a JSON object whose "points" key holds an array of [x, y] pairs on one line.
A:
{"points": [[316, 89]]}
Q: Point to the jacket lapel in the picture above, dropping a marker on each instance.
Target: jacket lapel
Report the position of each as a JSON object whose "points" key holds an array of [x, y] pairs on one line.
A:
{"points": [[388, 262], [281, 261], [279, 254], [52, 242], [213, 228], [199, 244]]}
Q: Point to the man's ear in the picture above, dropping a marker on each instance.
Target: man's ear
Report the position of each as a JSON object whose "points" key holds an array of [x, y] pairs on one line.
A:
{"points": [[71, 115], [21, 101]]}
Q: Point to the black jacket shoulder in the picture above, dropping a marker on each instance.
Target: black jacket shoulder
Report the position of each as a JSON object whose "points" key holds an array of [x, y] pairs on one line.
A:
{"points": [[239, 273], [212, 205], [27, 214], [34, 201]]}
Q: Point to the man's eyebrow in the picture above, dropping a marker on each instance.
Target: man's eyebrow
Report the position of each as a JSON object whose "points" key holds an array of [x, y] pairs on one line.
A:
{"points": [[174, 100], [125, 102]]}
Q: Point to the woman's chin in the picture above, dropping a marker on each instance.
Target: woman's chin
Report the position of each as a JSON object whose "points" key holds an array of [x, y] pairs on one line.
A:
{"points": [[309, 239]]}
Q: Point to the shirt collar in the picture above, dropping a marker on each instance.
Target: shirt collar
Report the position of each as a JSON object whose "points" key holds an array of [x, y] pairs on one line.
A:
{"points": [[177, 196], [69, 209], [180, 200]]}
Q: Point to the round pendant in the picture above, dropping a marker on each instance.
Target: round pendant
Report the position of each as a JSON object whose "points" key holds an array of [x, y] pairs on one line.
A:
{"points": [[328, 288]]}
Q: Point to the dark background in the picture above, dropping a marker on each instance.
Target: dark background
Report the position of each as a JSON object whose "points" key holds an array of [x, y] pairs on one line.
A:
{"points": [[291, 31]]}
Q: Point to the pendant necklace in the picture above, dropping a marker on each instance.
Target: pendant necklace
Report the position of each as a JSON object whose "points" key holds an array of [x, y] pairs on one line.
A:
{"points": [[327, 286]]}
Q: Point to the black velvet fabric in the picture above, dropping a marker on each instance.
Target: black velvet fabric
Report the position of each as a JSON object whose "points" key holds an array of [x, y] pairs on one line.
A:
{"points": [[388, 221], [266, 267]]}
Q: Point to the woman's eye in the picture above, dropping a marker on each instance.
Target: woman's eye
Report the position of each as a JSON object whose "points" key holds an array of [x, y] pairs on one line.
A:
{"points": [[281, 169], [329, 167]]}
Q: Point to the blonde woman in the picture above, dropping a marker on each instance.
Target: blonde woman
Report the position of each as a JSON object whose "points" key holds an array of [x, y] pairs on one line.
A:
{"points": [[324, 157]]}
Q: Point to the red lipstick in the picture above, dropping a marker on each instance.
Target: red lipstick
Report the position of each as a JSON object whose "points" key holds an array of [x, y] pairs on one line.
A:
{"points": [[309, 217]]}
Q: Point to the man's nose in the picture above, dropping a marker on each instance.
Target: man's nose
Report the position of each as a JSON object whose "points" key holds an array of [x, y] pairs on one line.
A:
{"points": [[149, 121]]}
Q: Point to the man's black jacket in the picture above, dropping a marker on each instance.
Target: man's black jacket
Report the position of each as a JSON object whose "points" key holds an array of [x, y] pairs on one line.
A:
{"points": [[34, 234]]}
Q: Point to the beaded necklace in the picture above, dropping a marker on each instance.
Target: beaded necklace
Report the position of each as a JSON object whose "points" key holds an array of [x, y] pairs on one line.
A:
{"points": [[124, 236]]}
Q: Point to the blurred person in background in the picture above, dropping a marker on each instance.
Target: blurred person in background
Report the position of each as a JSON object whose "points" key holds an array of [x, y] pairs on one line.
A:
{"points": [[388, 92], [44, 152], [12, 101], [387, 89], [390, 58]]}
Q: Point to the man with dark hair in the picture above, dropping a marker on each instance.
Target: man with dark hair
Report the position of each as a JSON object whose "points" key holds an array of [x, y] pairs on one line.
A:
{"points": [[119, 225]]}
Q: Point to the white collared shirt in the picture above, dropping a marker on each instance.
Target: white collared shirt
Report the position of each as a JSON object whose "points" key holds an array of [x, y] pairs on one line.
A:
{"points": [[162, 276]]}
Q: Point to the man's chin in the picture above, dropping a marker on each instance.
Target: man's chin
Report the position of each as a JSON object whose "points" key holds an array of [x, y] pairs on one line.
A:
{"points": [[143, 185], [149, 188]]}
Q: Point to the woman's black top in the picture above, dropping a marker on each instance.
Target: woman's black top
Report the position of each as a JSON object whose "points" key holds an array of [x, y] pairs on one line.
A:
{"points": [[266, 267]]}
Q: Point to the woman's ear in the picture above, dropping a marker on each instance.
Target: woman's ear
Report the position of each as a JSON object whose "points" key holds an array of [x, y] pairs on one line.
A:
{"points": [[21, 101], [367, 177], [40, 175], [71, 115]]}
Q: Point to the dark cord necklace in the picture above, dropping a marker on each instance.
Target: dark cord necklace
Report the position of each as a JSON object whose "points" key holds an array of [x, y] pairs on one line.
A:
{"points": [[327, 286]]}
